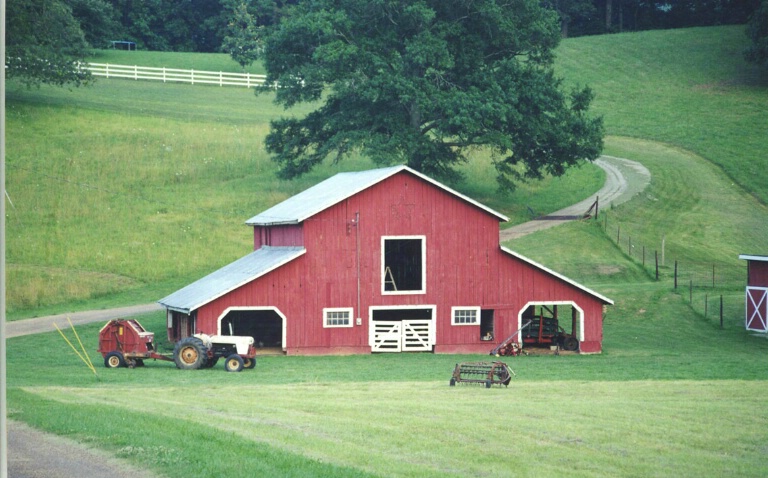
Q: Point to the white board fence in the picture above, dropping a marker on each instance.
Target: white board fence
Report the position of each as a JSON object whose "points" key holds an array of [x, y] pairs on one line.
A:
{"points": [[165, 75]]}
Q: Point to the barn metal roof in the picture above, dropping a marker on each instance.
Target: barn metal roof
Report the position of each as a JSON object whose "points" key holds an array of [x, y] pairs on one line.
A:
{"points": [[230, 277], [752, 257], [337, 188], [559, 276]]}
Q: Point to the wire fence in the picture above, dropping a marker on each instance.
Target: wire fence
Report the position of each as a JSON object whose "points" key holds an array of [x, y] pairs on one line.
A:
{"points": [[714, 289]]}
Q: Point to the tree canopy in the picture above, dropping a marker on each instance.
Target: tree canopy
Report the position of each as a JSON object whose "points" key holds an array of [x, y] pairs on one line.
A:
{"points": [[424, 82], [44, 43]]}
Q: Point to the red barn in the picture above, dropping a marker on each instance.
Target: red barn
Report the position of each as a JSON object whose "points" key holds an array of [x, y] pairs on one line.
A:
{"points": [[757, 292], [385, 260]]}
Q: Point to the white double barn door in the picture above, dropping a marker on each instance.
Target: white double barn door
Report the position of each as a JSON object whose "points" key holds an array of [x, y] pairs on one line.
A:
{"points": [[402, 336]]}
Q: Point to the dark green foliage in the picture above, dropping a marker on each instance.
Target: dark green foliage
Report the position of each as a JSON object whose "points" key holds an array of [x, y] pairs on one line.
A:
{"points": [[44, 43], [757, 31], [424, 82], [242, 40]]}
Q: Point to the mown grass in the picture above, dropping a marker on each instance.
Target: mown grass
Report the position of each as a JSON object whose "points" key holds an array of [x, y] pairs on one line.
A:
{"points": [[180, 60], [672, 394], [689, 88]]}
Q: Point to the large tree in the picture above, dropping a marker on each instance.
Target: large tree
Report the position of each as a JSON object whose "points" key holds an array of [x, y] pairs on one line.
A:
{"points": [[44, 43], [423, 82]]}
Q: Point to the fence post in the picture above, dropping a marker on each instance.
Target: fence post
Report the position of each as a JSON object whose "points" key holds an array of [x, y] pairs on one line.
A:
{"points": [[618, 233], [657, 265], [643, 255], [706, 304], [629, 246], [675, 274], [135, 72], [597, 206], [690, 292], [713, 276], [721, 311]]}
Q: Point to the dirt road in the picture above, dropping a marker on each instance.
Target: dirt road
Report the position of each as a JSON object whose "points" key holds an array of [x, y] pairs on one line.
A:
{"points": [[33, 454], [624, 178]]}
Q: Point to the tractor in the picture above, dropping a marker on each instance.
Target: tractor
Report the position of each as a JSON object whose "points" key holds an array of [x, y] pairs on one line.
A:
{"points": [[125, 343]]}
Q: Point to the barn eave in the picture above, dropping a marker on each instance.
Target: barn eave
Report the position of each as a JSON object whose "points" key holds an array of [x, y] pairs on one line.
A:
{"points": [[230, 277], [549, 271], [752, 257]]}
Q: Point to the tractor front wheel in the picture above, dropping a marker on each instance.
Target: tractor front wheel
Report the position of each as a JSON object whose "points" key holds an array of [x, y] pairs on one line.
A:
{"points": [[190, 354], [249, 362], [234, 363], [114, 360]]}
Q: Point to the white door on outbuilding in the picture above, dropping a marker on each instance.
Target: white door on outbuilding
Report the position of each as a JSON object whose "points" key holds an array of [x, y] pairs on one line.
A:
{"points": [[757, 309]]}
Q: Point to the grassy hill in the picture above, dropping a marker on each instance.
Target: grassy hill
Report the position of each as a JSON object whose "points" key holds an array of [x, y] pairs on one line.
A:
{"points": [[127, 190]]}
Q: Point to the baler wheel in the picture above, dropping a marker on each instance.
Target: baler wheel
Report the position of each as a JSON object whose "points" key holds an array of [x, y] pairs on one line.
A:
{"points": [[190, 354], [249, 362], [234, 363], [114, 360]]}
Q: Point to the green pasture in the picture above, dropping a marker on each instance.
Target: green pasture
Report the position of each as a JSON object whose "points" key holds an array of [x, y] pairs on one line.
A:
{"points": [[126, 191]]}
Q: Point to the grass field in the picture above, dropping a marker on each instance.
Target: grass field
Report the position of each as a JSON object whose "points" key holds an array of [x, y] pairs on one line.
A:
{"points": [[128, 190]]}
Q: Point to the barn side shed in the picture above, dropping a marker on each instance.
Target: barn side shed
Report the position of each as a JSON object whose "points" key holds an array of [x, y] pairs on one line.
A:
{"points": [[386, 260], [756, 292]]}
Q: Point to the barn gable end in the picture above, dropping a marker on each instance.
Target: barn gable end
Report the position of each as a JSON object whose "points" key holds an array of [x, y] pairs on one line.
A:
{"points": [[384, 260]]}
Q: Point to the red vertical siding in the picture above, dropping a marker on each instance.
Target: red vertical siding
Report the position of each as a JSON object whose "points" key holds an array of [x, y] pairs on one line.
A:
{"points": [[464, 267], [758, 274]]}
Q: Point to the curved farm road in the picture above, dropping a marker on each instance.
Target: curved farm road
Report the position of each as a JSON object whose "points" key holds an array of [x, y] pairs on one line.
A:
{"points": [[34, 454]]}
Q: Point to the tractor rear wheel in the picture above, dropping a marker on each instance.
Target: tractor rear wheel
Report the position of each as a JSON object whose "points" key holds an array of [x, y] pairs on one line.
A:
{"points": [[114, 360], [234, 363], [190, 354]]}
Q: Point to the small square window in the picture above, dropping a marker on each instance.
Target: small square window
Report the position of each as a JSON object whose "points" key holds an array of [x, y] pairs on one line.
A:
{"points": [[465, 315], [337, 317]]}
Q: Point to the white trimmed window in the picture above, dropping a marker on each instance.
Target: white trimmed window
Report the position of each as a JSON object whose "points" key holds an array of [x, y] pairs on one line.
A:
{"points": [[465, 315], [341, 317], [403, 265]]}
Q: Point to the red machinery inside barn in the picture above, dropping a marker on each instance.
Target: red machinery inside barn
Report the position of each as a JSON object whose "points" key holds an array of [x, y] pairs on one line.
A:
{"points": [[546, 330]]}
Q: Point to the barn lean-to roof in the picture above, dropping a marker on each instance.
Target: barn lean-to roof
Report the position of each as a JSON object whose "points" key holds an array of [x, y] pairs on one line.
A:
{"points": [[335, 189], [230, 277], [549, 271], [753, 257]]}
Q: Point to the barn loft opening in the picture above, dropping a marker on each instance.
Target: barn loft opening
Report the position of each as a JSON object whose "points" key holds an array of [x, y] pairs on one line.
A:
{"points": [[404, 264], [264, 325]]}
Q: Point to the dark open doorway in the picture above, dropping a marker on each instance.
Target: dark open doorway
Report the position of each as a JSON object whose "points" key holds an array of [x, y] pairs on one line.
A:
{"points": [[266, 326]]}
